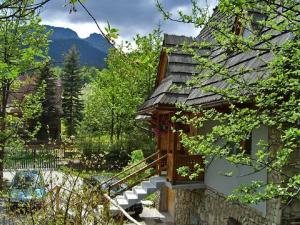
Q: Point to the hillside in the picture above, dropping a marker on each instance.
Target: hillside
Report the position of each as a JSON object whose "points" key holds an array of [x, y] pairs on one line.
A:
{"points": [[93, 50]]}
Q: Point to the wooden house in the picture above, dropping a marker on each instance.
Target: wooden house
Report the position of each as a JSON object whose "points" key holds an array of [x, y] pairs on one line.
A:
{"points": [[203, 201]]}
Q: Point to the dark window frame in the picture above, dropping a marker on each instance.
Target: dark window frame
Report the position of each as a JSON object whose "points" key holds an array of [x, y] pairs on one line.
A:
{"points": [[247, 145]]}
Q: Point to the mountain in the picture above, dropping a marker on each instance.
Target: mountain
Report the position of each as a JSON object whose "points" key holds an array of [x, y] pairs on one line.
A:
{"points": [[62, 33], [97, 41], [93, 49]]}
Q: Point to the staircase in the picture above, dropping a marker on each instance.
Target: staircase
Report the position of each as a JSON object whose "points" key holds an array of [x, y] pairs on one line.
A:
{"points": [[138, 193], [142, 188]]}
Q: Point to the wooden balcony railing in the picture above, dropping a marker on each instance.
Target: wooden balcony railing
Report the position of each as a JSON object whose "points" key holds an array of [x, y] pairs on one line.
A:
{"points": [[179, 160]]}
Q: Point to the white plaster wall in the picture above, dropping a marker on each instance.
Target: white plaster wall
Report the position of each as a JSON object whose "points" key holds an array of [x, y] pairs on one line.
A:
{"points": [[214, 174]]}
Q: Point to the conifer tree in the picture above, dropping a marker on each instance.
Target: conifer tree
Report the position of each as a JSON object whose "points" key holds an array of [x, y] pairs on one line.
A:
{"points": [[52, 106], [72, 85]]}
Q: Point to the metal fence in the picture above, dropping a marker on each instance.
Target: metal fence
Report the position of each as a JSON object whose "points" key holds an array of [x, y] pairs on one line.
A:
{"points": [[39, 159], [40, 163]]}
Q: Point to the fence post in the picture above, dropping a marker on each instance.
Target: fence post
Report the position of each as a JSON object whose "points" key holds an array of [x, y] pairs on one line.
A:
{"points": [[34, 155], [57, 199]]}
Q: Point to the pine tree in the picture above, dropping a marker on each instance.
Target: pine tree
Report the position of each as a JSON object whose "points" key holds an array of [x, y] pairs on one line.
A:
{"points": [[52, 106], [72, 84]]}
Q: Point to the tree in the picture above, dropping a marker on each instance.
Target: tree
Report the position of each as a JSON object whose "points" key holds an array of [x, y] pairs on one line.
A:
{"points": [[114, 96], [22, 40], [51, 106], [72, 85], [109, 129], [271, 98]]}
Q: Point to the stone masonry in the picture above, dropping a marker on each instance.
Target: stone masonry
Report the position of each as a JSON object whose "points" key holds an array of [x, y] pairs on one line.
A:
{"points": [[208, 207]]}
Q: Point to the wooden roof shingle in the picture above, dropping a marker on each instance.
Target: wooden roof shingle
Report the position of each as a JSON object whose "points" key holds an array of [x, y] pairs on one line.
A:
{"points": [[181, 67]]}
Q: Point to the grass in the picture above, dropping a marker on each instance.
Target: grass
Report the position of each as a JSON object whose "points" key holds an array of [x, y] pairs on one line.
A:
{"points": [[87, 173]]}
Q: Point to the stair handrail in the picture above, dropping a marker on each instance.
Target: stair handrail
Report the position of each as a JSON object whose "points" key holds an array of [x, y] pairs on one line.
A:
{"points": [[132, 185], [137, 172], [131, 167]]}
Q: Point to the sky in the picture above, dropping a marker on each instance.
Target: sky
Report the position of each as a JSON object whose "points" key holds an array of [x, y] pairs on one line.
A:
{"points": [[131, 17]]}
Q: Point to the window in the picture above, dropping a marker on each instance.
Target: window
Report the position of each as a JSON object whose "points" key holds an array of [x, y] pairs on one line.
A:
{"points": [[247, 145], [237, 27], [254, 27]]}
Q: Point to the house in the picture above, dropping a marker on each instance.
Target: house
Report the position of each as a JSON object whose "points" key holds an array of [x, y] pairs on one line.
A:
{"points": [[203, 200]]}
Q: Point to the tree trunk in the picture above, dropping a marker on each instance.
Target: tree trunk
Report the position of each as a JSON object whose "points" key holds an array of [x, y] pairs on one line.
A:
{"points": [[112, 125], [5, 90]]}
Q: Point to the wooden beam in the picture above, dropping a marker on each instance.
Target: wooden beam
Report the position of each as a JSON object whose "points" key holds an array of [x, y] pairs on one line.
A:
{"points": [[162, 67]]}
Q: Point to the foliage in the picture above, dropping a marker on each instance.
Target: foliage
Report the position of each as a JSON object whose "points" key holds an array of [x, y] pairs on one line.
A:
{"points": [[99, 153], [51, 106], [72, 85], [112, 99], [271, 98], [68, 201], [136, 157], [114, 94], [22, 42]]}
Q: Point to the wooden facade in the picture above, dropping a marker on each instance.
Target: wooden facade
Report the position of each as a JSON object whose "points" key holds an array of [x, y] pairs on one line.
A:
{"points": [[175, 68], [168, 143]]}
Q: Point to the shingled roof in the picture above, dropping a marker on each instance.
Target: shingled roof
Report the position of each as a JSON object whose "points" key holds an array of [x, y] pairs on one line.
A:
{"points": [[181, 67], [246, 60]]}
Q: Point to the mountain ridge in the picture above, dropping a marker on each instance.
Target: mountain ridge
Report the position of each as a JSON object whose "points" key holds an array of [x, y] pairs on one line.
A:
{"points": [[93, 50]]}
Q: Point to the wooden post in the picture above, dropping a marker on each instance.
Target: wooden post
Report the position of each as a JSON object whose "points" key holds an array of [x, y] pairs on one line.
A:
{"points": [[173, 153], [175, 143], [57, 199], [159, 149]]}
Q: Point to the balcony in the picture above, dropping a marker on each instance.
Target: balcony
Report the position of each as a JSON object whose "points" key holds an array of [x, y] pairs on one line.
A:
{"points": [[175, 161]]}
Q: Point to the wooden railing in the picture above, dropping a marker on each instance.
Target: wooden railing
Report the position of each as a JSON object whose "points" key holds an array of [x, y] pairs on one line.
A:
{"points": [[129, 168], [169, 162], [135, 174], [179, 160]]}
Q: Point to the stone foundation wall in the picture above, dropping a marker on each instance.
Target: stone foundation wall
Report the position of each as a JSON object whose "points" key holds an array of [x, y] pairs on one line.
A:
{"points": [[207, 207]]}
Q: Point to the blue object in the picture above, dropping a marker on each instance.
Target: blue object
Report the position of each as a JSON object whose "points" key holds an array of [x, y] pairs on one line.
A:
{"points": [[27, 186]]}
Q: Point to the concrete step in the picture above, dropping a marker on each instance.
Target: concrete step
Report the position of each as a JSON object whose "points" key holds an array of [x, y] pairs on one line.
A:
{"points": [[122, 201], [140, 191], [147, 185], [131, 197], [158, 181]]}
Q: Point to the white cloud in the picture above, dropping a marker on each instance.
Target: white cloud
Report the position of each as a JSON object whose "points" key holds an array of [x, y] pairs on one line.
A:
{"points": [[83, 29]]}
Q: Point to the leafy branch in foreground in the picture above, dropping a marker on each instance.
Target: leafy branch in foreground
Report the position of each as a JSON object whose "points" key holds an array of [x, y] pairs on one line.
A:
{"points": [[22, 41]]}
